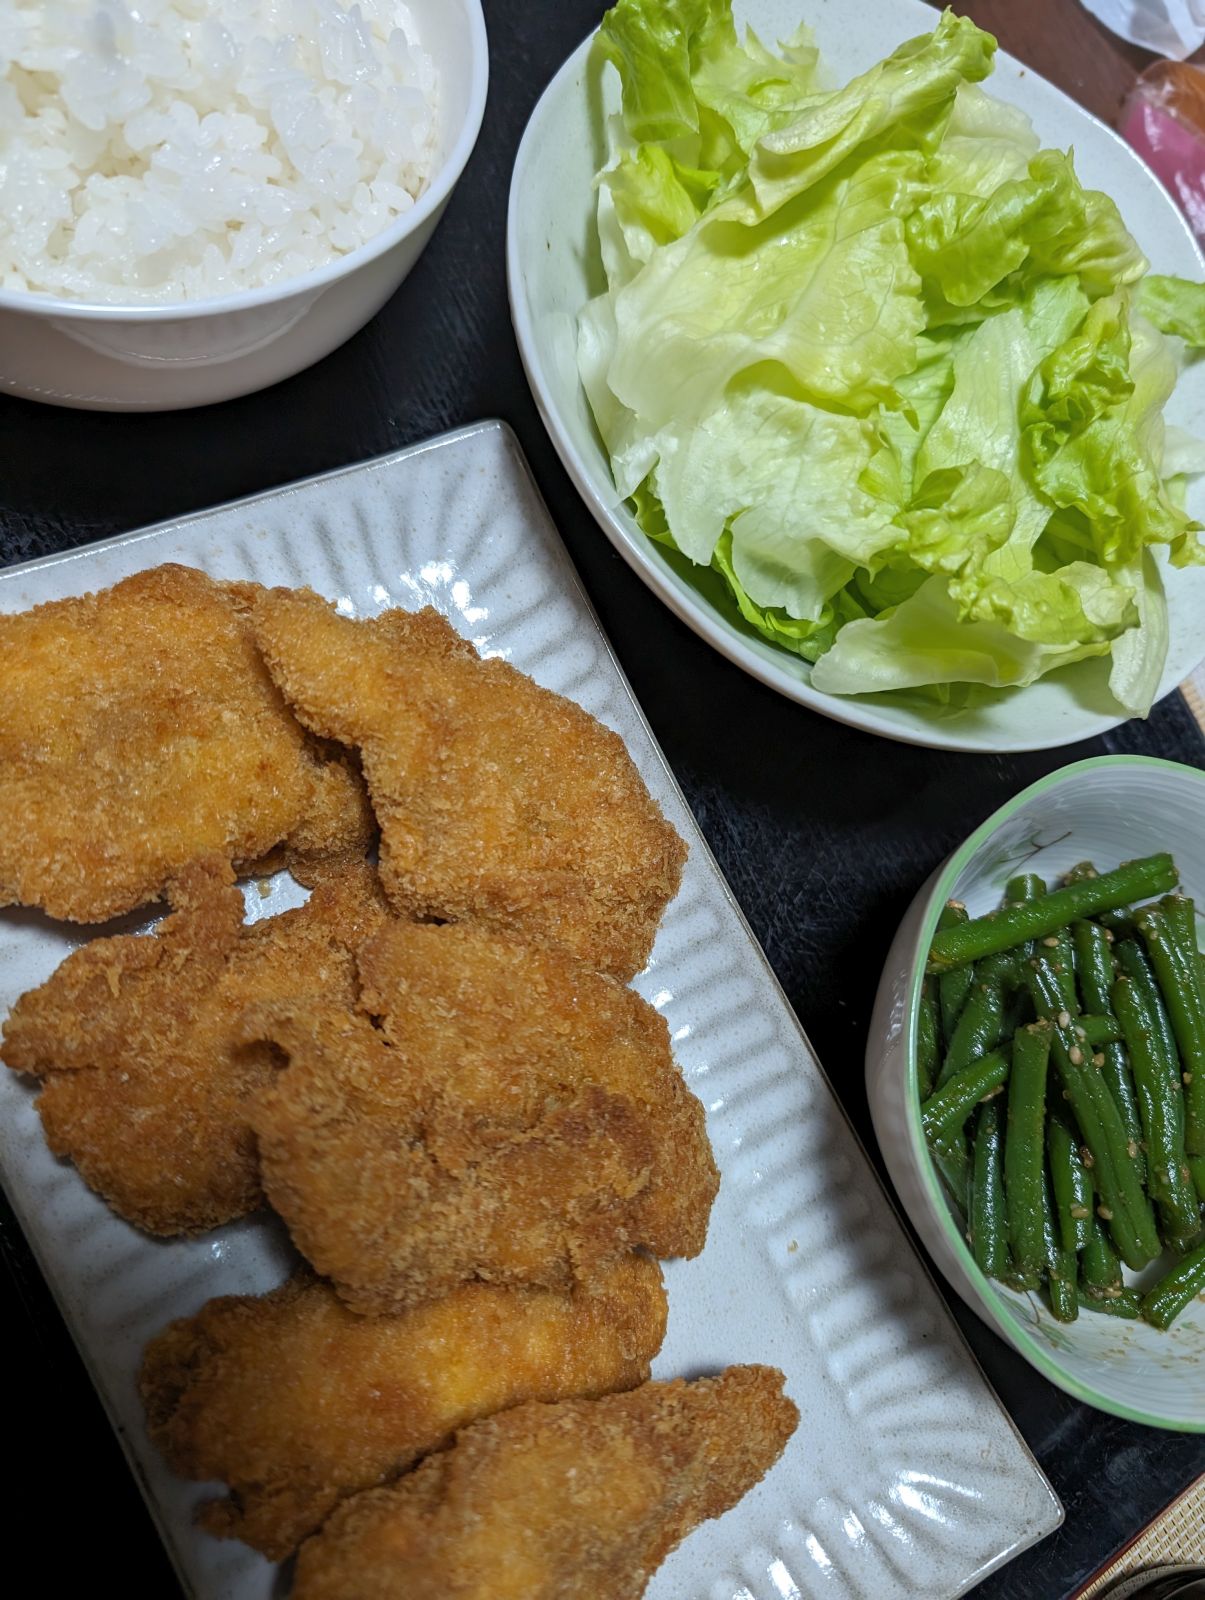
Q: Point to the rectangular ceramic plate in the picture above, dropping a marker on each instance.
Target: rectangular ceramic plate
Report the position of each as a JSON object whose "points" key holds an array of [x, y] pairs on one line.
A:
{"points": [[905, 1477]]}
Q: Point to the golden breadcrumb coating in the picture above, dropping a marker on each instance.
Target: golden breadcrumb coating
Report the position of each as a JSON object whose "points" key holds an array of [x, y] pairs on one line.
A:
{"points": [[136, 1037], [585, 1498], [139, 730], [295, 1402], [512, 1115], [498, 801]]}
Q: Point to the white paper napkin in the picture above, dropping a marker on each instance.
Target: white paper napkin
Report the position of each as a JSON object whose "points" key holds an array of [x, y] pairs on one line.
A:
{"points": [[1172, 28]]}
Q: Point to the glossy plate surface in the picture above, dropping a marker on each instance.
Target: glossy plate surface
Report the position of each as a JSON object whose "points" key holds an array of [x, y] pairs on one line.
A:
{"points": [[554, 268], [905, 1477]]}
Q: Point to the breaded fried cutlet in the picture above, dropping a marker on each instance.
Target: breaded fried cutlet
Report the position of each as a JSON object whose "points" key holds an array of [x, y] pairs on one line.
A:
{"points": [[145, 1076], [498, 801], [294, 1402], [502, 1112], [585, 1498], [139, 731]]}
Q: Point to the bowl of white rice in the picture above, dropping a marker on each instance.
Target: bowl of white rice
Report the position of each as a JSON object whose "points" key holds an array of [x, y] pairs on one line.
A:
{"points": [[199, 198]]}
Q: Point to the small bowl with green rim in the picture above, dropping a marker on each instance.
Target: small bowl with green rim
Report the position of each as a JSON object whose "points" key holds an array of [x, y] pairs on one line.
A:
{"points": [[1108, 810]]}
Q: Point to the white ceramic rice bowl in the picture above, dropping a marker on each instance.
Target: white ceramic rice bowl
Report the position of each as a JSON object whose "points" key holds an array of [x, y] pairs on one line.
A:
{"points": [[554, 268], [1109, 810], [163, 358]]}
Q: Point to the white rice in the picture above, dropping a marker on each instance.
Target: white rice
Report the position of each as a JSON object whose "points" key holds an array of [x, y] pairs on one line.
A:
{"points": [[164, 150]]}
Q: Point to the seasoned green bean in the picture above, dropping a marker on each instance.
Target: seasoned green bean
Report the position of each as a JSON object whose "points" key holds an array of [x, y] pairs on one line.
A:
{"points": [[1024, 1148], [1181, 913], [945, 1113], [952, 987], [1169, 932], [1097, 1031], [1168, 1176], [1172, 1293], [1080, 871], [1060, 1263], [953, 1162], [1196, 1166], [927, 1029], [1025, 886], [1035, 919], [1119, 921], [981, 1025], [1019, 1008], [1100, 1268], [1094, 965], [1059, 950], [1070, 1182], [1022, 1282], [1134, 963], [1127, 1304], [1125, 1205], [988, 1218]]}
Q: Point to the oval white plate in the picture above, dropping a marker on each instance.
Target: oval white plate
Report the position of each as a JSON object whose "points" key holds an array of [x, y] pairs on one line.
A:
{"points": [[554, 268]]}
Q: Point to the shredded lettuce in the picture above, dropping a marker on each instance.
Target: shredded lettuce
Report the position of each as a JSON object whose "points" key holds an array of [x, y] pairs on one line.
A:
{"points": [[879, 366], [1174, 306]]}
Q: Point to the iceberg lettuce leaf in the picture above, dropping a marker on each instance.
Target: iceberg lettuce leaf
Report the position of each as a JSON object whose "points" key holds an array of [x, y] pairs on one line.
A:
{"points": [[753, 91], [904, 101], [879, 370], [927, 641], [826, 294], [1139, 654], [783, 475], [988, 250], [656, 46], [1174, 306], [1083, 416]]}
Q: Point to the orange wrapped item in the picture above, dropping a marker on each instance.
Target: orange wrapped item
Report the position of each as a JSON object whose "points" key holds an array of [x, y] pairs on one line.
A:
{"points": [[1164, 121]]}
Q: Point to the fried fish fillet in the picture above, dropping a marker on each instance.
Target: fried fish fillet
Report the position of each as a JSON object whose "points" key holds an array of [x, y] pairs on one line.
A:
{"points": [[140, 730], [498, 801], [146, 1078], [584, 1498], [295, 1402], [511, 1116]]}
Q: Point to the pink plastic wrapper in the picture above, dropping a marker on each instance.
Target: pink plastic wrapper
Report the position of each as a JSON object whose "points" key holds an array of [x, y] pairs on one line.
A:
{"points": [[1164, 120]]}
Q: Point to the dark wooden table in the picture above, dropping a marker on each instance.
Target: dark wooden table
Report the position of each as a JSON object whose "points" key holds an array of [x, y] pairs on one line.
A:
{"points": [[824, 833], [1066, 44]]}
